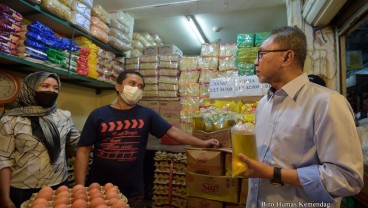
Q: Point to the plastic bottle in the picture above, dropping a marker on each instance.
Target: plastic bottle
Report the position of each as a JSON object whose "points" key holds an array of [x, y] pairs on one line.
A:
{"points": [[243, 140]]}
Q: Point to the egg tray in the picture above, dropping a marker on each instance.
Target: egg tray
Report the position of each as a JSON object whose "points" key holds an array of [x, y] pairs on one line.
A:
{"points": [[28, 203]]}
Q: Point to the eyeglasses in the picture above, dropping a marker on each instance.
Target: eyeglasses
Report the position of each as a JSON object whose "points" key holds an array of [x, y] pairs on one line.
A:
{"points": [[261, 53]]}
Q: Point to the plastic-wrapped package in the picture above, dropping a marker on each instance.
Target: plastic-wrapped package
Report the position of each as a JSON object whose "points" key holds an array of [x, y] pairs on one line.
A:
{"points": [[168, 93], [170, 58], [169, 65], [80, 21], [148, 66], [149, 59], [189, 76], [167, 79], [204, 91], [119, 35], [95, 21], [119, 44], [16, 15], [40, 28], [89, 3], [151, 87], [247, 54], [68, 3], [210, 49], [6, 49], [34, 44], [189, 89], [157, 39], [189, 63], [133, 67], [228, 63], [33, 52], [99, 33], [136, 53], [101, 13], [124, 18], [148, 72], [165, 86], [57, 8], [169, 72], [117, 25], [150, 93], [136, 44], [138, 36], [208, 63], [151, 80], [245, 40], [8, 20], [50, 41], [9, 36], [229, 49], [135, 60], [81, 8], [206, 75]]}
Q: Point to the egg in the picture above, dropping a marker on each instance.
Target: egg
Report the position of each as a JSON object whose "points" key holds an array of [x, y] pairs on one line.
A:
{"points": [[61, 206], [111, 194], [97, 202], [77, 187], [61, 200], [114, 189], [80, 195], [40, 206], [46, 188], [102, 206], [45, 195], [94, 185], [119, 204], [110, 202], [79, 203], [40, 202], [93, 191], [61, 188], [107, 186], [95, 195], [83, 191], [62, 194]]}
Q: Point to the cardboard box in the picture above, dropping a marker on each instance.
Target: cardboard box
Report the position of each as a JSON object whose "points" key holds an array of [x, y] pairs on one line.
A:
{"points": [[206, 162], [171, 116], [194, 202], [170, 49], [228, 163], [151, 50], [243, 191], [223, 136], [219, 188]]}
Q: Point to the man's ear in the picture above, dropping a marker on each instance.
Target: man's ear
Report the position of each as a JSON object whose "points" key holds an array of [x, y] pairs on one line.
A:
{"points": [[289, 57], [118, 87]]}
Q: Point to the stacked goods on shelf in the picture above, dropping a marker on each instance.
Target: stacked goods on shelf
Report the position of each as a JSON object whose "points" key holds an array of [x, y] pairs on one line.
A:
{"points": [[169, 184], [121, 30], [78, 196], [117, 65], [145, 43], [227, 59], [170, 111], [189, 91], [86, 43], [81, 14], [105, 66], [10, 28], [132, 63], [148, 67], [38, 43], [248, 44], [99, 29], [169, 76]]}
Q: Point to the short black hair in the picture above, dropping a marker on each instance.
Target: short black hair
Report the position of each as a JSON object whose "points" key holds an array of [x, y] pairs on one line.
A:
{"points": [[122, 76], [317, 79]]}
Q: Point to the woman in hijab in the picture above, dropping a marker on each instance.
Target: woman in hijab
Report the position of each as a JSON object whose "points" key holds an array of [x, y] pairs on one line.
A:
{"points": [[34, 138]]}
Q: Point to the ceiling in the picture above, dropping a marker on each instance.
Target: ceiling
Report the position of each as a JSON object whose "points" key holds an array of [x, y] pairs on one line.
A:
{"points": [[167, 18]]}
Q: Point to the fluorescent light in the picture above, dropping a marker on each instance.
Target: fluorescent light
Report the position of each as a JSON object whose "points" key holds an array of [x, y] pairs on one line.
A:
{"points": [[196, 29]]}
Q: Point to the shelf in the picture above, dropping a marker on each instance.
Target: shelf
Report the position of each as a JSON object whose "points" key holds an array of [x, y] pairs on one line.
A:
{"points": [[34, 12], [17, 64]]}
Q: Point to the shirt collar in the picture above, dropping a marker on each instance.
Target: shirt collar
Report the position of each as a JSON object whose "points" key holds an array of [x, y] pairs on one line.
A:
{"points": [[291, 89]]}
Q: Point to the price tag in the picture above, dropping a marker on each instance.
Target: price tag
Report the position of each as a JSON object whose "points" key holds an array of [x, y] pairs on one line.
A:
{"points": [[222, 87], [248, 86]]}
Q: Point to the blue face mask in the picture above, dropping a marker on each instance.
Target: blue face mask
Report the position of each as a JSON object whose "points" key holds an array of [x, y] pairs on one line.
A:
{"points": [[46, 98]]}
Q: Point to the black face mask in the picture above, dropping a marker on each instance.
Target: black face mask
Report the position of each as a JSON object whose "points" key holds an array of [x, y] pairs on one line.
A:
{"points": [[46, 98]]}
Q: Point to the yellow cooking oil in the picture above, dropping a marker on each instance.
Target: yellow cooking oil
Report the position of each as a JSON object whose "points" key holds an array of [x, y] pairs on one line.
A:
{"points": [[243, 141]]}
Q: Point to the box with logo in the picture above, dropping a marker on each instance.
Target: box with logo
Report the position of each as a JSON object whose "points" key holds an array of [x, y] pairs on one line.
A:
{"points": [[219, 188], [206, 162], [170, 105], [151, 50], [223, 136], [194, 202], [154, 105]]}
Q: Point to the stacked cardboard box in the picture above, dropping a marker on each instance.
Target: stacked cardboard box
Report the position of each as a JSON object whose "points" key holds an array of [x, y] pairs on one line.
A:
{"points": [[169, 188], [209, 181]]}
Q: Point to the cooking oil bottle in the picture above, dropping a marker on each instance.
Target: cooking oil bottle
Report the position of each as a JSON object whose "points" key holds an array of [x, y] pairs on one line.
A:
{"points": [[243, 140]]}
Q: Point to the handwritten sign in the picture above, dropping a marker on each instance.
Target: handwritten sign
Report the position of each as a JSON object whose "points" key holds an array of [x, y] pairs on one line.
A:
{"points": [[222, 87]]}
